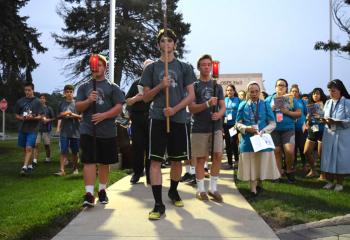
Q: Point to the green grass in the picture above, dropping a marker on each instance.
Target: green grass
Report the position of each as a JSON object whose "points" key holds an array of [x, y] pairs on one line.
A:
{"points": [[283, 204], [39, 205]]}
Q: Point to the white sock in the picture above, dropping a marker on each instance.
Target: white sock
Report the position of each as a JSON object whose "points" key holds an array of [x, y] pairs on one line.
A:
{"points": [[213, 183], [30, 166], [206, 164], [101, 186], [188, 168], [200, 185], [192, 170], [25, 166], [35, 160], [90, 189]]}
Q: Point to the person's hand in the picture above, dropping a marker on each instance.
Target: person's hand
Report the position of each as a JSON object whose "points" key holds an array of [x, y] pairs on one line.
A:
{"points": [[285, 110], [165, 82], [92, 97], [168, 112], [251, 130], [308, 117], [213, 101], [98, 117], [215, 116], [330, 121]]}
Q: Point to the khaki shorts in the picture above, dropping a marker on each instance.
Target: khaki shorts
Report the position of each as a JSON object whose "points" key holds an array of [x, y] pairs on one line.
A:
{"points": [[45, 136], [201, 143]]}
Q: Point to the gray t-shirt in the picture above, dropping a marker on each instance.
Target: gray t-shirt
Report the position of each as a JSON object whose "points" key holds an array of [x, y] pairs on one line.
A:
{"points": [[48, 113], [202, 122], [26, 106], [109, 95], [69, 126], [180, 75]]}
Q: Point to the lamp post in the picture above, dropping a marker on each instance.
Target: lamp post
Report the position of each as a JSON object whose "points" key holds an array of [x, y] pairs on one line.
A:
{"points": [[111, 40], [330, 40]]}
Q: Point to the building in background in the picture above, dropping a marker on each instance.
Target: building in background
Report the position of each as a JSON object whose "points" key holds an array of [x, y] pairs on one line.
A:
{"points": [[241, 80]]}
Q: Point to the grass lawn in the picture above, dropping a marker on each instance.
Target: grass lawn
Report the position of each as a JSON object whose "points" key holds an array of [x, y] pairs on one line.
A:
{"points": [[283, 204], [39, 205]]}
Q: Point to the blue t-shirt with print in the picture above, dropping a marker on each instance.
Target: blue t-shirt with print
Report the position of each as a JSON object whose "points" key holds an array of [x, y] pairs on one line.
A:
{"points": [[300, 121], [231, 110], [250, 114], [287, 123]]}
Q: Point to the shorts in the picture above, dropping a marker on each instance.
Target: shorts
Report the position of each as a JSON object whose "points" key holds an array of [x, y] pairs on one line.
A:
{"points": [[26, 139], [45, 136], [283, 137], [174, 143], [201, 143], [72, 143], [314, 136], [106, 150]]}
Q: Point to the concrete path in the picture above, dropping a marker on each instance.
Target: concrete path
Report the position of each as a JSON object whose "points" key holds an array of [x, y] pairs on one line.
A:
{"points": [[126, 215]]}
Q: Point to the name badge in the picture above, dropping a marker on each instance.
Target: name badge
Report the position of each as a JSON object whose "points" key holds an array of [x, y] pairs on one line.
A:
{"points": [[315, 128], [279, 117], [232, 131], [225, 120], [229, 117]]}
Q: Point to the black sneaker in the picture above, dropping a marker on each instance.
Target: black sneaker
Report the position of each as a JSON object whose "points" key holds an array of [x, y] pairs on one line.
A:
{"points": [[175, 198], [35, 164], [24, 171], [157, 213], [134, 179], [290, 177], [186, 178], [89, 200], [102, 197]]}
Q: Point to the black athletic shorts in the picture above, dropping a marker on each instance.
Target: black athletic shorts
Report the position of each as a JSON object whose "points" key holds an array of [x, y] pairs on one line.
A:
{"points": [[106, 150], [174, 143]]}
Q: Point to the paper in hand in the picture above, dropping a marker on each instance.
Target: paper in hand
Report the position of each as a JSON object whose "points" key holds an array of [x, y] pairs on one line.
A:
{"points": [[140, 89]]}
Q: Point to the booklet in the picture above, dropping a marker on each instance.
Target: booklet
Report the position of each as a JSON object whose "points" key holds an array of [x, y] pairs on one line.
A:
{"points": [[232, 131], [285, 101], [315, 110], [261, 142]]}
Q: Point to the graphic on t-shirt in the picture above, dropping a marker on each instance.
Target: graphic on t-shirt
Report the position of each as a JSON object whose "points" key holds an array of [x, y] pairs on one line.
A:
{"points": [[172, 77], [100, 96], [206, 93], [27, 109]]}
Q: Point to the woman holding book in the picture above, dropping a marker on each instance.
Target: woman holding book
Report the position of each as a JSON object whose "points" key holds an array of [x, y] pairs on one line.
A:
{"points": [[336, 136], [255, 117], [315, 127], [231, 142], [286, 110]]}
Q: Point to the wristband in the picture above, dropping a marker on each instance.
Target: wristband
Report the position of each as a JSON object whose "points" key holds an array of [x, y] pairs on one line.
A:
{"points": [[207, 103]]}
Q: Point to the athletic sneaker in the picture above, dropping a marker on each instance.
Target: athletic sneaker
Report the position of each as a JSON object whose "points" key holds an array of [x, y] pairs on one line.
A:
{"points": [[329, 185], [157, 213], [102, 196], [60, 174], [216, 196], [338, 188], [89, 200], [202, 196], [175, 198], [290, 177], [186, 178], [75, 172], [24, 171]]}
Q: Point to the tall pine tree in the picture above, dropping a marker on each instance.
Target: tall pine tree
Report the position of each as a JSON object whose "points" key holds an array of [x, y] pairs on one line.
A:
{"points": [[17, 43], [137, 23]]}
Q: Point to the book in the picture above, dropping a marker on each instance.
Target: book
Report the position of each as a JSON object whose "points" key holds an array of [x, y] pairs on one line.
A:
{"points": [[261, 142], [315, 109], [285, 101]]}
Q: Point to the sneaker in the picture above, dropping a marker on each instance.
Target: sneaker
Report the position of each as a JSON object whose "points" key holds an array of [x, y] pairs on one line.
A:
{"points": [[329, 185], [30, 170], [290, 177], [216, 196], [89, 200], [23, 171], [338, 188], [312, 173], [157, 213], [193, 180], [35, 164], [175, 198], [227, 166], [102, 197], [135, 178], [47, 160], [75, 172], [186, 178], [202, 196], [59, 173]]}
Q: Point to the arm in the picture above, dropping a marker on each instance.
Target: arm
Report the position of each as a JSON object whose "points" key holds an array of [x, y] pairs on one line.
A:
{"points": [[81, 106], [111, 113], [182, 104], [132, 100], [217, 115], [199, 107], [294, 114], [149, 94]]}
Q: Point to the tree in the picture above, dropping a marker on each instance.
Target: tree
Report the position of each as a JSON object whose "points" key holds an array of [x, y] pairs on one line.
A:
{"points": [[137, 23], [340, 9], [17, 43]]}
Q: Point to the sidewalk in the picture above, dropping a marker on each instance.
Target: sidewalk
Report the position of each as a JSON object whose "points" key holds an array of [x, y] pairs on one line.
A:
{"points": [[126, 215]]}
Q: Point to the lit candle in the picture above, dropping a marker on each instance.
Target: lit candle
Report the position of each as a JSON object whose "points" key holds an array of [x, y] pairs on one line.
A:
{"points": [[215, 69], [93, 62]]}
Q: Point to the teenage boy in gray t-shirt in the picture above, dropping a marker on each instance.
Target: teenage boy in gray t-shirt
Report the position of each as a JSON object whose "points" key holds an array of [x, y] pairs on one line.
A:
{"points": [[180, 80], [101, 150], [203, 120]]}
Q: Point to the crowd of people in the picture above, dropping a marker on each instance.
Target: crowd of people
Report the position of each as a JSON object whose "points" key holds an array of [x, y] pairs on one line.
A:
{"points": [[203, 119]]}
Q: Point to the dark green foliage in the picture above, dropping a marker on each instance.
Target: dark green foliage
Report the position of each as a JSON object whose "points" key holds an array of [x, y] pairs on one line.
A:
{"points": [[86, 31]]}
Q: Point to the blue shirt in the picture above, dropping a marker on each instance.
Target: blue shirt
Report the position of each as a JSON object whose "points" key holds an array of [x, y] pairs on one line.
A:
{"points": [[288, 123], [231, 109], [249, 115], [300, 121]]}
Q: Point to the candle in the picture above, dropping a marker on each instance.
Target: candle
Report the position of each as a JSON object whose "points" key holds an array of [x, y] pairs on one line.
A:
{"points": [[215, 69], [93, 62]]}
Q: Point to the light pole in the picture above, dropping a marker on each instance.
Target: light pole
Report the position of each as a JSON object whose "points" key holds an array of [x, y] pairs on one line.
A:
{"points": [[330, 40], [111, 40]]}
